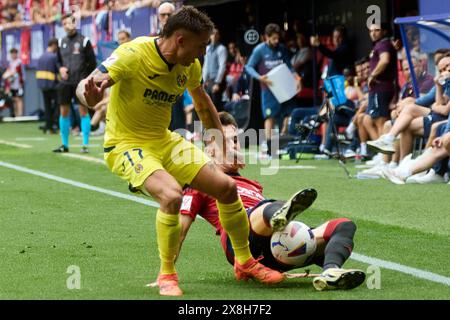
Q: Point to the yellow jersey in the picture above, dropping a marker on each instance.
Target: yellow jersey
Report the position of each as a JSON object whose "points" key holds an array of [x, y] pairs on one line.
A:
{"points": [[146, 86]]}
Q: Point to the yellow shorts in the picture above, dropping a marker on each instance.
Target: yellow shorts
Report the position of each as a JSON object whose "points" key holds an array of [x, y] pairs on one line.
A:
{"points": [[136, 161]]}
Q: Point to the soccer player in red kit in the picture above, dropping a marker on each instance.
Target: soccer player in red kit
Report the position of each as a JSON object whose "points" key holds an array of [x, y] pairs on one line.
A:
{"points": [[334, 238]]}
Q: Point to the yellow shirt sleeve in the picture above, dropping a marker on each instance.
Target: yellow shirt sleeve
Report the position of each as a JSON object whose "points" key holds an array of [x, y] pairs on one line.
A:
{"points": [[195, 78], [122, 63]]}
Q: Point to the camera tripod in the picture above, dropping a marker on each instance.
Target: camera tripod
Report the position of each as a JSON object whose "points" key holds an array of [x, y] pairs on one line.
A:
{"points": [[327, 111]]}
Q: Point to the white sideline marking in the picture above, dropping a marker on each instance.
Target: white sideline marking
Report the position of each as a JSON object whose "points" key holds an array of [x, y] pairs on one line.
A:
{"points": [[295, 167], [85, 158], [30, 139], [13, 144], [79, 184], [418, 273], [401, 268]]}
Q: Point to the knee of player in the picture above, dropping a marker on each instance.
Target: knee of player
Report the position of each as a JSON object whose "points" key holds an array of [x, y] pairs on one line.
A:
{"points": [[228, 190], [446, 141], [172, 198]]}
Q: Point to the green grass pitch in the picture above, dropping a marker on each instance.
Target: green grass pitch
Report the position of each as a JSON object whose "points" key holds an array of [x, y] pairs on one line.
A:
{"points": [[48, 226]]}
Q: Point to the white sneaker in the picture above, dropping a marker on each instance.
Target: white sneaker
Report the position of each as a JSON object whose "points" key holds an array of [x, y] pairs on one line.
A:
{"points": [[382, 145], [413, 178], [407, 160], [430, 177], [349, 153], [336, 278], [376, 160], [392, 176], [392, 165], [321, 156], [376, 171]]}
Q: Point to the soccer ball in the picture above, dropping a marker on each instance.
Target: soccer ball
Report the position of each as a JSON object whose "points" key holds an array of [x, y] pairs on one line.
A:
{"points": [[293, 245]]}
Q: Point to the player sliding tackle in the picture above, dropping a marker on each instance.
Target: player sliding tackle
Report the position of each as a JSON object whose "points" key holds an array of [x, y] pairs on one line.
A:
{"points": [[146, 76], [328, 245]]}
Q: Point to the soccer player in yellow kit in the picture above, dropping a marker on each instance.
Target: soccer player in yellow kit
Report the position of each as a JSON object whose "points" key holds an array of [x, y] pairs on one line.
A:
{"points": [[147, 75]]}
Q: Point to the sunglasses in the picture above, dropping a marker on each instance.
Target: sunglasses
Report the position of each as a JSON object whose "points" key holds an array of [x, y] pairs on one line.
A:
{"points": [[165, 14]]}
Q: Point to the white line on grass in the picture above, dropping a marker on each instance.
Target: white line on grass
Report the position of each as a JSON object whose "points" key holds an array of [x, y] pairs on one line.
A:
{"points": [[295, 167], [13, 144], [401, 268], [418, 273], [30, 139], [79, 184], [85, 158]]}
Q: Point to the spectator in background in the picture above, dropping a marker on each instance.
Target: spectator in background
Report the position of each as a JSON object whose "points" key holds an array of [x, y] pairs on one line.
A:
{"points": [[418, 120], [123, 36], [77, 60], [233, 51], [302, 63], [14, 81], [424, 80], [165, 10], [382, 78], [37, 12], [239, 104], [235, 67], [47, 81], [340, 56], [265, 57], [13, 12], [214, 68]]}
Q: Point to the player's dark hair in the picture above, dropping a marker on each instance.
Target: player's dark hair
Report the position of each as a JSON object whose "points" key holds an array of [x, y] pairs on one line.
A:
{"points": [[190, 19], [52, 42], [68, 15], [13, 50], [272, 28], [227, 119]]}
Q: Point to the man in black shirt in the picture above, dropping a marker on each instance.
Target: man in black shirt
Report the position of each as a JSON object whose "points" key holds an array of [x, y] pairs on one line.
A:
{"points": [[77, 60], [340, 56]]}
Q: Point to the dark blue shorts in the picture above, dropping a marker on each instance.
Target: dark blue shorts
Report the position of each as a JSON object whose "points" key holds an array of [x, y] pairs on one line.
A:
{"points": [[428, 122], [271, 108], [379, 104]]}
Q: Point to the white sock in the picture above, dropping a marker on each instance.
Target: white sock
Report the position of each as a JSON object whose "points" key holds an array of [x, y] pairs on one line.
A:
{"points": [[351, 127], [102, 126], [321, 147], [363, 148], [389, 138]]}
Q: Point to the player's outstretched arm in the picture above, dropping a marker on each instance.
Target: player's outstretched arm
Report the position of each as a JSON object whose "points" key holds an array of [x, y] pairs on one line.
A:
{"points": [[207, 113], [205, 108], [90, 90]]}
